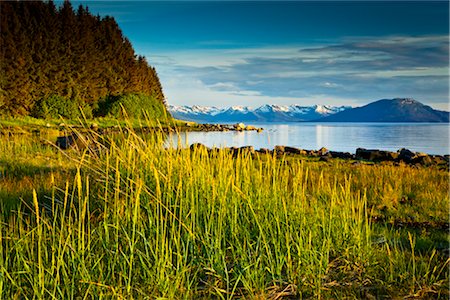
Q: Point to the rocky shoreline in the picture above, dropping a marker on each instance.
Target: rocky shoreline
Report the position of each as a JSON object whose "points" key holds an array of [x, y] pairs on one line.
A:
{"points": [[403, 155]]}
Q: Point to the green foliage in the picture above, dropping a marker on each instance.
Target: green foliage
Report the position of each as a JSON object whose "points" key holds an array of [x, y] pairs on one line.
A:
{"points": [[132, 106], [49, 51], [55, 107]]}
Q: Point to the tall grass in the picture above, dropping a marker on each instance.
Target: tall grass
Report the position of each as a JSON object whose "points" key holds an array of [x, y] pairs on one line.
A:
{"points": [[141, 221]]}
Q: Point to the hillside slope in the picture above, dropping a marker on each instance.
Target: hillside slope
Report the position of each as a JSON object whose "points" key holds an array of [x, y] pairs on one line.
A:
{"points": [[390, 110]]}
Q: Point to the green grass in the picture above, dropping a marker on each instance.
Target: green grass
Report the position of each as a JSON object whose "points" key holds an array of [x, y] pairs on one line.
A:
{"points": [[22, 124], [140, 221]]}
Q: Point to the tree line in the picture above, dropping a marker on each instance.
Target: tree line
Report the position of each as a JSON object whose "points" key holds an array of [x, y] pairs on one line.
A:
{"points": [[56, 58]]}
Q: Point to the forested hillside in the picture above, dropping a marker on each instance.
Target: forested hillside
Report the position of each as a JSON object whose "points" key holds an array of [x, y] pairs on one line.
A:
{"points": [[55, 60]]}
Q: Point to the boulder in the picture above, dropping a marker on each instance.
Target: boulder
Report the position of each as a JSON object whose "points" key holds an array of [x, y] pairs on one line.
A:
{"points": [[322, 151], [438, 159], [342, 155], [239, 126], [325, 158], [375, 155], [72, 141], [264, 151], [279, 149], [250, 149], [406, 155], [198, 146], [312, 153], [423, 160], [293, 150]]}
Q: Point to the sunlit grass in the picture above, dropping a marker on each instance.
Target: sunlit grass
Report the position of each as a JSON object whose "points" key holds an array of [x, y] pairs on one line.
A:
{"points": [[141, 221]]}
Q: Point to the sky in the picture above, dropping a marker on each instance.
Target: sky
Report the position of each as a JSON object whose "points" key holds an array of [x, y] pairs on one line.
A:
{"points": [[228, 53]]}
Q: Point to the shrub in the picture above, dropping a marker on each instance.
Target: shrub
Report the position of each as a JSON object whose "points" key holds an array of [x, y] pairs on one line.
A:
{"points": [[56, 106], [135, 105]]}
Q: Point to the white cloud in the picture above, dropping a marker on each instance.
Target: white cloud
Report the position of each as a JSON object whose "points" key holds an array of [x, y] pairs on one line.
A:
{"points": [[347, 73]]}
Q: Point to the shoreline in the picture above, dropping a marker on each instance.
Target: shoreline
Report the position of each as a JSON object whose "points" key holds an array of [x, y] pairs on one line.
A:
{"points": [[64, 133], [403, 155]]}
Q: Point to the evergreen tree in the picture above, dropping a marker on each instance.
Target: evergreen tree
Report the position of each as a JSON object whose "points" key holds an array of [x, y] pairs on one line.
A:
{"points": [[52, 53]]}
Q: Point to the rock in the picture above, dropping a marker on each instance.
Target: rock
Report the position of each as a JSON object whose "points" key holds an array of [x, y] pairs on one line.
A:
{"points": [[292, 150], [250, 149], [322, 151], [239, 126], [72, 141], [312, 153], [198, 146], [422, 159], [264, 151], [259, 130], [375, 155], [325, 158], [406, 155], [438, 159], [418, 154], [342, 155], [250, 127], [279, 149], [48, 125]]}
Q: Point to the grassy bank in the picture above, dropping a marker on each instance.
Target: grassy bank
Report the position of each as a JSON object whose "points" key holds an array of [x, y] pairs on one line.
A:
{"points": [[139, 221]]}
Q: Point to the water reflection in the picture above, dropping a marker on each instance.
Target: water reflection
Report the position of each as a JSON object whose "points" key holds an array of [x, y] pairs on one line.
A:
{"points": [[429, 138]]}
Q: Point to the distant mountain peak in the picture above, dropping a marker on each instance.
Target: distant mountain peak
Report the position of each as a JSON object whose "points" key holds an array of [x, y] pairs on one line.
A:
{"points": [[390, 110], [406, 100], [264, 113]]}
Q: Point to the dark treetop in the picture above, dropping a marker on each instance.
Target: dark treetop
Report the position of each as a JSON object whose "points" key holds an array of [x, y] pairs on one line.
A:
{"points": [[72, 55]]}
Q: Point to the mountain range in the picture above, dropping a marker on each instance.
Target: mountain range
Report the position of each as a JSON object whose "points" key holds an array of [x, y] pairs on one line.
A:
{"points": [[265, 113], [385, 110], [390, 110]]}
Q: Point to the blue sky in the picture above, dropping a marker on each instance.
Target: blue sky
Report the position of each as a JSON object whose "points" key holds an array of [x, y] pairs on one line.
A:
{"points": [[224, 53]]}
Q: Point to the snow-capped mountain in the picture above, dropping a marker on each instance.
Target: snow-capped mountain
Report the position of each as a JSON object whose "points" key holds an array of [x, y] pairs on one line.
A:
{"points": [[265, 113]]}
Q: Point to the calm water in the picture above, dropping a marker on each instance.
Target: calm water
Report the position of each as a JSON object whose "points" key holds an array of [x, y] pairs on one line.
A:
{"points": [[428, 138]]}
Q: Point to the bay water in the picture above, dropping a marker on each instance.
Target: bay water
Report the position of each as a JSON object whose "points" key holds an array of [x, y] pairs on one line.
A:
{"points": [[431, 138]]}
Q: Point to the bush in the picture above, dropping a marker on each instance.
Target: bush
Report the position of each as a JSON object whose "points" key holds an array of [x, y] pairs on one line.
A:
{"points": [[56, 106], [135, 105]]}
